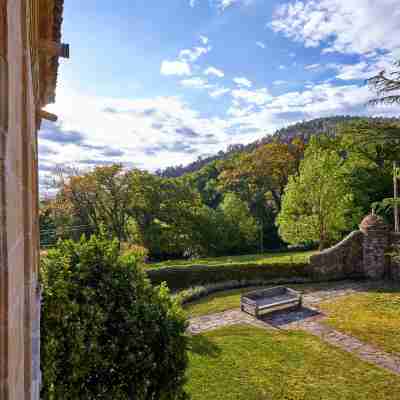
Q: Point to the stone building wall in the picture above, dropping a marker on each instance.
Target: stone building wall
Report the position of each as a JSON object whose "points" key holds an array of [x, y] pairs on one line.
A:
{"points": [[22, 74], [18, 207]]}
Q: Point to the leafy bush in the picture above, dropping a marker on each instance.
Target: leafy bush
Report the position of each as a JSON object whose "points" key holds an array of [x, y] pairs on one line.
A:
{"points": [[198, 275], [106, 332], [140, 252]]}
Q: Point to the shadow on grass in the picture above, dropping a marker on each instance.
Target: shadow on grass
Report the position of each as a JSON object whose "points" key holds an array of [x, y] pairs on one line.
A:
{"points": [[281, 318], [386, 287], [200, 345]]}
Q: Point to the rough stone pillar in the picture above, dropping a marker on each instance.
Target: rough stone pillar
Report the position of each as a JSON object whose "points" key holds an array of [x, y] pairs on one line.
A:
{"points": [[376, 242]]}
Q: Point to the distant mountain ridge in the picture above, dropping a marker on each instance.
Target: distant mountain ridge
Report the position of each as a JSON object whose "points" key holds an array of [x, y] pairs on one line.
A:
{"points": [[303, 130]]}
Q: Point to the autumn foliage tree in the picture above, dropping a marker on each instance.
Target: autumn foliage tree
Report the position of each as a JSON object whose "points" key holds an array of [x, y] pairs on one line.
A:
{"points": [[98, 198], [260, 177]]}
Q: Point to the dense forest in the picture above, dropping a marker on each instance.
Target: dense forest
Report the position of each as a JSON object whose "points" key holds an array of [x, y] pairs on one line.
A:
{"points": [[307, 184], [304, 130]]}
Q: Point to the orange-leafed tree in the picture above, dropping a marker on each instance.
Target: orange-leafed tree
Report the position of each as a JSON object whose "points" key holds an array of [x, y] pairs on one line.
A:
{"points": [[261, 176]]}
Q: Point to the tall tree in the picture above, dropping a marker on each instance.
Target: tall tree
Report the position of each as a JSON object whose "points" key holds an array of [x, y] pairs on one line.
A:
{"points": [[240, 227], [166, 212], [317, 201], [387, 88], [260, 177], [99, 198]]}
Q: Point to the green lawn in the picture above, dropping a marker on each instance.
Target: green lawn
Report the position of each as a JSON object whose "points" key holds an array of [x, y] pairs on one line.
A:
{"points": [[226, 300], [249, 363], [373, 317], [256, 259]]}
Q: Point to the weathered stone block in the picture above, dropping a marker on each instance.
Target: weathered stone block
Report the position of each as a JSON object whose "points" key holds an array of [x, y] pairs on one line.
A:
{"points": [[375, 244]]}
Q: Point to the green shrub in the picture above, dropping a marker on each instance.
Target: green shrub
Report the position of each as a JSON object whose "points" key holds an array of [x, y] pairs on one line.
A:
{"points": [[106, 332], [178, 278]]}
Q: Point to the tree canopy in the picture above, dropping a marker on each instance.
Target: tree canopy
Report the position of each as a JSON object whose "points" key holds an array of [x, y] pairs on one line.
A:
{"points": [[317, 201]]}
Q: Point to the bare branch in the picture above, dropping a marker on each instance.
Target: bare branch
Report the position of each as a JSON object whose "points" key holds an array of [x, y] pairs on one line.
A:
{"points": [[384, 84]]}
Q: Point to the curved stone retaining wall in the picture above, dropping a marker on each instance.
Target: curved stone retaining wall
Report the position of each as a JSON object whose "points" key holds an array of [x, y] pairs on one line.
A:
{"points": [[362, 254], [344, 260]]}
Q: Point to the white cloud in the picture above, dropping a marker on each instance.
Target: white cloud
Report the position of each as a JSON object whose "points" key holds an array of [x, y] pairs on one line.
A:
{"points": [[152, 132], [257, 97], [243, 82], [239, 112], [322, 99], [282, 67], [162, 131], [175, 68], [279, 82], [196, 83], [318, 101], [311, 67], [345, 26], [192, 3], [363, 69], [223, 4], [214, 71], [204, 39], [192, 55], [261, 44], [183, 65], [353, 71], [219, 92]]}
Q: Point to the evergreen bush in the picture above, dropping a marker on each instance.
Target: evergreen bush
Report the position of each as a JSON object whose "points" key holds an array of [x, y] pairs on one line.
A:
{"points": [[106, 332]]}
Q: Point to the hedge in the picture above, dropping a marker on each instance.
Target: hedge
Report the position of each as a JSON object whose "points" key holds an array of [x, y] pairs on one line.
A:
{"points": [[178, 278]]}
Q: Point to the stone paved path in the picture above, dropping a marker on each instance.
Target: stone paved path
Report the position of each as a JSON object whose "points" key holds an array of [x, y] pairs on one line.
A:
{"points": [[352, 345], [305, 319], [226, 318], [310, 300]]}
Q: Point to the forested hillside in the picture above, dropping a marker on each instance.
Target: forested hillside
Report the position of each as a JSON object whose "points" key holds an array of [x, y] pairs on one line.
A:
{"points": [[303, 130]]}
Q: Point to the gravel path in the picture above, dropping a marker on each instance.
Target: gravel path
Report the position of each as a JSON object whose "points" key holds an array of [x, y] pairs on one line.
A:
{"points": [[307, 319]]}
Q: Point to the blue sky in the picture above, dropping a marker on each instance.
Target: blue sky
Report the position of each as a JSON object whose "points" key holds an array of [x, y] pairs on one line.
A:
{"points": [[156, 83]]}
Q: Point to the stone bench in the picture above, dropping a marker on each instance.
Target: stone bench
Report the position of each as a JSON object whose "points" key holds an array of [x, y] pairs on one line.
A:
{"points": [[264, 301]]}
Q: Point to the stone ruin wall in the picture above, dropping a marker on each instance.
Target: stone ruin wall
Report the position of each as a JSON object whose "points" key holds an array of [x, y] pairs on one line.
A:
{"points": [[366, 253]]}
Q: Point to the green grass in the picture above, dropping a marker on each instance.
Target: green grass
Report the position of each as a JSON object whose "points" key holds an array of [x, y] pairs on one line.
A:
{"points": [[256, 259], [249, 363], [373, 317], [216, 302], [226, 300]]}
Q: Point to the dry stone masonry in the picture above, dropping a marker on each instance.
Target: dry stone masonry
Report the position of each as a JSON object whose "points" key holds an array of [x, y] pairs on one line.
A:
{"points": [[362, 254]]}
